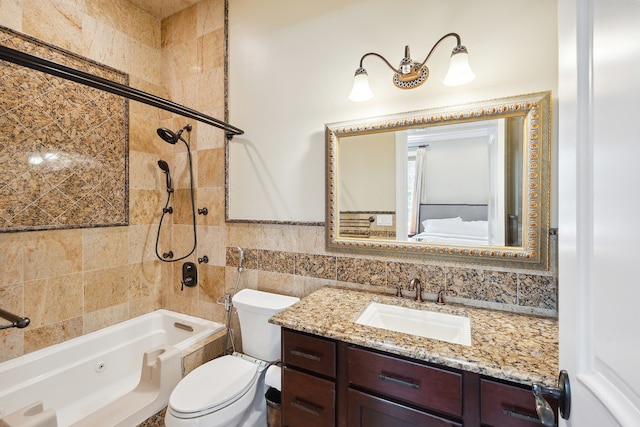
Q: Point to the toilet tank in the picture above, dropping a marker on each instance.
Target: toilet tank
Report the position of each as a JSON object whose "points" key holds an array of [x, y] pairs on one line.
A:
{"points": [[260, 339]]}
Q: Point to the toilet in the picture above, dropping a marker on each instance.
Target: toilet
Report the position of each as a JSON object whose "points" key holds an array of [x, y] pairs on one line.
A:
{"points": [[229, 391]]}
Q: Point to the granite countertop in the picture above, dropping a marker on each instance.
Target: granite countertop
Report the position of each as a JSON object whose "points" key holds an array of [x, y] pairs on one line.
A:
{"points": [[504, 345]]}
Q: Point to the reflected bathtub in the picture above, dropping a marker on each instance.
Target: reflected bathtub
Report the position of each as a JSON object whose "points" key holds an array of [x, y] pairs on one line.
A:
{"points": [[116, 376]]}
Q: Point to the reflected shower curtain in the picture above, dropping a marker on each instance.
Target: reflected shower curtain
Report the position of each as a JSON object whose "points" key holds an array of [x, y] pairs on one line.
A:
{"points": [[419, 190]]}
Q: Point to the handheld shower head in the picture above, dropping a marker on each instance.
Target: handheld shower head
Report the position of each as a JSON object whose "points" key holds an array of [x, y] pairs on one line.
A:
{"points": [[165, 168], [173, 137]]}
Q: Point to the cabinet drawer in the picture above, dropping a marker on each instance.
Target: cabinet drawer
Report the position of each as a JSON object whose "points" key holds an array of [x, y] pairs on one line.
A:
{"points": [[371, 411], [307, 400], [411, 382], [314, 354], [509, 406]]}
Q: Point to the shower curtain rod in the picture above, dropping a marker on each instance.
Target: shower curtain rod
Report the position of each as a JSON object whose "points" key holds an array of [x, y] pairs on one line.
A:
{"points": [[49, 67]]}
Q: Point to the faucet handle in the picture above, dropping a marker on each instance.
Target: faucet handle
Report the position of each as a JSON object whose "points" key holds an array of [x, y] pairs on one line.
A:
{"points": [[442, 293], [398, 291]]}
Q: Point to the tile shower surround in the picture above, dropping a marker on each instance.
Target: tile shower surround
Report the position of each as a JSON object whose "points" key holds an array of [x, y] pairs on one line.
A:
{"points": [[78, 134], [518, 291]]}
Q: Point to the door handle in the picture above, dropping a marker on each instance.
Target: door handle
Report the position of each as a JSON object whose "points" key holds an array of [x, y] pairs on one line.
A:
{"points": [[562, 393]]}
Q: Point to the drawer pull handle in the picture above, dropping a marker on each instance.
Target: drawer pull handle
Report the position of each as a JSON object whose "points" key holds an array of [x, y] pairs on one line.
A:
{"points": [[520, 416], [305, 407], [399, 381], [305, 355]]}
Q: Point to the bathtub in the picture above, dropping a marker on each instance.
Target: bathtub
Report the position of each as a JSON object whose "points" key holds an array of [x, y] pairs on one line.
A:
{"points": [[116, 376]]}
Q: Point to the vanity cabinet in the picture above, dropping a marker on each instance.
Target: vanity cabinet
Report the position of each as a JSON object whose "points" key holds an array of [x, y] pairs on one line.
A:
{"points": [[332, 383], [309, 380]]}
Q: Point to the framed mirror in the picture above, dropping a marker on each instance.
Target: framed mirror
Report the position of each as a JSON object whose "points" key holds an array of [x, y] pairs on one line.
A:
{"points": [[468, 183]]}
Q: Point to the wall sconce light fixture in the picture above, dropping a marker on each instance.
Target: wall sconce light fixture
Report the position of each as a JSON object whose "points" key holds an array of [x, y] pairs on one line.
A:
{"points": [[412, 74]]}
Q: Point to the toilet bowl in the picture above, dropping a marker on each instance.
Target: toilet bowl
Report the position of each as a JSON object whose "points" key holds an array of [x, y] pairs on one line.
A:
{"points": [[229, 391], [217, 393]]}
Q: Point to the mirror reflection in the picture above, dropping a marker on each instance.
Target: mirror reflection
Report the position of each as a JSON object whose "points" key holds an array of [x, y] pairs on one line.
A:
{"points": [[459, 181], [456, 183]]}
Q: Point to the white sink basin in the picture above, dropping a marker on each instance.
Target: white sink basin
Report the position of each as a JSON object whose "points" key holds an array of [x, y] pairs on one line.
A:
{"points": [[424, 323]]}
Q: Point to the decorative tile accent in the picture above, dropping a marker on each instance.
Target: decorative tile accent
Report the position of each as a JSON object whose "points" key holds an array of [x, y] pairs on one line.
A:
{"points": [[320, 266], [277, 261], [499, 290], [537, 291], [364, 271], [489, 285], [401, 273], [64, 146]]}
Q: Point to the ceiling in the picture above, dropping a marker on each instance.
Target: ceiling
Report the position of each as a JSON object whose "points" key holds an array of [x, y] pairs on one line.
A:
{"points": [[163, 8]]}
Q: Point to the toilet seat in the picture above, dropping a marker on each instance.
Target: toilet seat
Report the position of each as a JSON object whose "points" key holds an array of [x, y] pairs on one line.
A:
{"points": [[213, 386]]}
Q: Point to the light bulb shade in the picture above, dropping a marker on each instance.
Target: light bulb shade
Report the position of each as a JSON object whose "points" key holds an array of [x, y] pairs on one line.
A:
{"points": [[459, 70], [360, 91]]}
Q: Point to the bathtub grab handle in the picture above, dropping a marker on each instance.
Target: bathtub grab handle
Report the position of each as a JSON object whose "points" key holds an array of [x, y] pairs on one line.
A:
{"points": [[16, 321]]}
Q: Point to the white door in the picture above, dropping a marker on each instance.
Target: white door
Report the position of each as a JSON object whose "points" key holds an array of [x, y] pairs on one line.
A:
{"points": [[599, 209]]}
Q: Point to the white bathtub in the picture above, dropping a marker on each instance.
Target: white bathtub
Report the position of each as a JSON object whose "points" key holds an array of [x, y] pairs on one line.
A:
{"points": [[117, 376]]}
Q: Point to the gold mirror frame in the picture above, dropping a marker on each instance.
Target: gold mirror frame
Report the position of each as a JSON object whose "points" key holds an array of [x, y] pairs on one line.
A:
{"points": [[534, 252]]}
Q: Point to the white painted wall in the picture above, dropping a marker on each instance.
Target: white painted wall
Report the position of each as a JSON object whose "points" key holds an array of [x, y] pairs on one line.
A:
{"points": [[291, 69]]}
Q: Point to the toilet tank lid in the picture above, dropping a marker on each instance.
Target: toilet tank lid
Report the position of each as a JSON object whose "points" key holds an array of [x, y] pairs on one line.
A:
{"points": [[259, 300]]}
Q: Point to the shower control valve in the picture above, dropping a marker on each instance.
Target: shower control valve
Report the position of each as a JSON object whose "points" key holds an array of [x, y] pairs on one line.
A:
{"points": [[189, 275]]}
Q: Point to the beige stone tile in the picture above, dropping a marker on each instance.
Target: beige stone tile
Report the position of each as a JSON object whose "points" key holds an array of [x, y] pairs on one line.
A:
{"points": [[144, 173], [211, 311], [145, 206], [52, 300], [184, 92], [211, 89], [211, 243], [142, 241], [59, 23], [105, 317], [179, 61], [52, 253], [180, 169], [244, 235], [211, 280], [278, 283], [210, 16], [143, 122], [310, 239], [145, 279], [209, 137], [179, 27], [11, 14], [37, 338], [211, 198], [278, 237], [11, 340], [105, 247], [182, 209], [105, 288], [11, 258], [149, 63], [105, 44], [144, 27], [182, 242], [140, 306], [247, 279]]}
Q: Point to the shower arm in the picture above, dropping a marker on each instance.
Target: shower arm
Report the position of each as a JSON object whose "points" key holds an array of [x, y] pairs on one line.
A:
{"points": [[87, 79]]}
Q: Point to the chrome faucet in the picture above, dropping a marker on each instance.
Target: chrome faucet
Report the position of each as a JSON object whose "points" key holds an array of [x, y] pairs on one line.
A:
{"points": [[416, 284], [442, 293]]}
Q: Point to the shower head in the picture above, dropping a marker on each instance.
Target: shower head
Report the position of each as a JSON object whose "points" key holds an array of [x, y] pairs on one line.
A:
{"points": [[173, 137], [165, 168]]}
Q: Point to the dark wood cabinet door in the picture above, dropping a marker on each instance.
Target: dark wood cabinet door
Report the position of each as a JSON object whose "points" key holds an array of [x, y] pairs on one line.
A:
{"points": [[505, 405], [370, 411]]}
